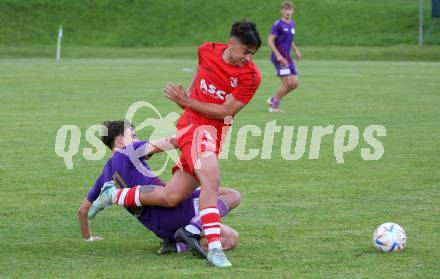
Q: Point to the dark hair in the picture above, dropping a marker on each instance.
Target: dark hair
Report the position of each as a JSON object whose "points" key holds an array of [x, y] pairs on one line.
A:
{"points": [[246, 32], [114, 129]]}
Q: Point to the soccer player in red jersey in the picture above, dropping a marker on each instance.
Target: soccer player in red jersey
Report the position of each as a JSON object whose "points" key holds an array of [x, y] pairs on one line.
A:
{"points": [[225, 81]]}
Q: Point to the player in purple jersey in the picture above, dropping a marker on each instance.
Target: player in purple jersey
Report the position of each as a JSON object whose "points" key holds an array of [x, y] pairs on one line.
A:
{"points": [[280, 41], [164, 222]]}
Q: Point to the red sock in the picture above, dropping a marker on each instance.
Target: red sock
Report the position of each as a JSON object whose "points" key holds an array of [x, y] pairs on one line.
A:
{"points": [[128, 197], [210, 217]]}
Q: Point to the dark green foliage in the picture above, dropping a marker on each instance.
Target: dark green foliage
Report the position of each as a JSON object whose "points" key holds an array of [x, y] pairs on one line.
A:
{"points": [[139, 23]]}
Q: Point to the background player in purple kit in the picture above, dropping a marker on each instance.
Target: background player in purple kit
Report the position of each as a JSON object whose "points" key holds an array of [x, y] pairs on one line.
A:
{"points": [[164, 222], [280, 41]]}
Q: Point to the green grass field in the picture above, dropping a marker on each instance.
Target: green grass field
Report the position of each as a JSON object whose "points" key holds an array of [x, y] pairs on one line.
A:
{"points": [[371, 53], [298, 219], [142, 23]]}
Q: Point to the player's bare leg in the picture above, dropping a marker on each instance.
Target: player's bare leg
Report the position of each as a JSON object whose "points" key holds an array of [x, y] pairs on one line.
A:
{"points": [[176, 190], [227, 200], [208, 173], [230, 196], [180, 187], [288, 84], [228, 237], [209, 177]]}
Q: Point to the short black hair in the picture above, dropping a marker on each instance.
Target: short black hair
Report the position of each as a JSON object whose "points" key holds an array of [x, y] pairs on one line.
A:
{"points": [[114, 129], [246, 32]]}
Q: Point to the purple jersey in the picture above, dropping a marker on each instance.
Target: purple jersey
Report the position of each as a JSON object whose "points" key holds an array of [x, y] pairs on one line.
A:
{"points": [[284, 33], [164, 222], [127, 168], [106, 175], [125, 173], [130, 168]]}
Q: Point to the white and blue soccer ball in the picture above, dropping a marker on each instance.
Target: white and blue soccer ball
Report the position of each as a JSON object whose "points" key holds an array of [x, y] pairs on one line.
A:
{"points": [[389, 237]]}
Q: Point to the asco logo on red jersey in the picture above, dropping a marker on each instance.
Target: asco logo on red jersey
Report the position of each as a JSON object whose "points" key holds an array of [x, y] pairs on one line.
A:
{"points": [[212, 90]]}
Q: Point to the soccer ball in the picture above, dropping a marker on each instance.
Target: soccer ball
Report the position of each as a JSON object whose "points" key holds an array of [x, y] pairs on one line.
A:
{"points": [[389, 237]]}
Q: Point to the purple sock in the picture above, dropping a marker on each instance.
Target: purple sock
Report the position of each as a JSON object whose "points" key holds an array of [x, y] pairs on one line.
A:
{"points": [[275, 102], [196, 222], [181, 247], [222, 208]]}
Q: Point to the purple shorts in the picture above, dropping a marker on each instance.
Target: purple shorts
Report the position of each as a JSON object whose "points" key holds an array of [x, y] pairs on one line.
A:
{"points": [[288, 70]]}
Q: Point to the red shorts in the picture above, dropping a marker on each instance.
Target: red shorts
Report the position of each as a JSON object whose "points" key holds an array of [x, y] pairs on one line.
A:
{"points": [[193, 140]]}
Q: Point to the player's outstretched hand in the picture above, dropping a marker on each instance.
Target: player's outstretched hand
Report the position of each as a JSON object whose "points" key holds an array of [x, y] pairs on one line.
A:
{"points": [[93, 238], [176, 93]]}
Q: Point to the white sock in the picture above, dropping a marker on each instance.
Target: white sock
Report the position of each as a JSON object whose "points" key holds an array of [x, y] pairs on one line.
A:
{"points": [[192, 229], [215, 245]]}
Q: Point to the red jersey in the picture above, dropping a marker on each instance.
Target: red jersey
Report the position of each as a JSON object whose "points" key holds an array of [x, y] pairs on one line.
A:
{"points": [[217, 79]]}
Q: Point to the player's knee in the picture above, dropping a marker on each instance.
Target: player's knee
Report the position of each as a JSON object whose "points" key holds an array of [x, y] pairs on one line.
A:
{"points": [[231, 240], [230, 196], [292, 84], [172, 201], [235, 198]]}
